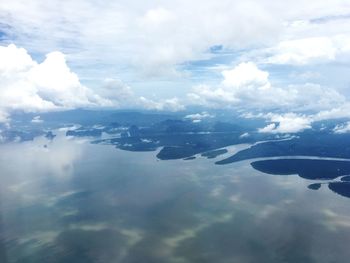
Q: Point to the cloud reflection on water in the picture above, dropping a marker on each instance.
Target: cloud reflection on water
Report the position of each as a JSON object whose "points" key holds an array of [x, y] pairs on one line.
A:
{"points": [[117, 206]]}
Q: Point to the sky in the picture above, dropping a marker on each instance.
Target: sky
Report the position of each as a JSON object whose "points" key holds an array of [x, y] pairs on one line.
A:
{"points": [[285, 61]]}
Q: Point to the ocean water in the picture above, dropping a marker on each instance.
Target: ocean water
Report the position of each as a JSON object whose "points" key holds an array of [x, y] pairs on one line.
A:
{"points": [[67, 200]]}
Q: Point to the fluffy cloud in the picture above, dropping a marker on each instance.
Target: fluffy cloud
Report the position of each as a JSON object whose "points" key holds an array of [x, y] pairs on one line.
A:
{"points": [[270, 128], [30, 86], [246, 75], [242, 84], [293, 122], [286, 123], [341, 111], [50, 85], [148, 42], [248, 86]]}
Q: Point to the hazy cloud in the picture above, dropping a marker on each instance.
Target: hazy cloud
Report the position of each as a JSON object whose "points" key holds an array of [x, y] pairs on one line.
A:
{"points": [[309, 50], [198, 117], [162, 105]]}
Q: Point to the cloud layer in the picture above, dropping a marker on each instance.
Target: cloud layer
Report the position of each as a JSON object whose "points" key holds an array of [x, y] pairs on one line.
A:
{"points": [[253, 56], [29, 86], [155, 37]]}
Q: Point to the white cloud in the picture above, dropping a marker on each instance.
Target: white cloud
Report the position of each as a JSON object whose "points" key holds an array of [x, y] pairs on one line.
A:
{"points": [[14, 59], [311, 96], [30, 86], [156, 16], [155, 40], [244, 135], [270, 128], [151, 36], [50, 85], [308, 50], [36, 119], [296, 122], [341, 111], [301, 51], [197, 117], [172, 104], [287, 123], [242, 84], [342, 128], [212, 97], [155, 37], [246, 75], [293, 122], [248, 86]]}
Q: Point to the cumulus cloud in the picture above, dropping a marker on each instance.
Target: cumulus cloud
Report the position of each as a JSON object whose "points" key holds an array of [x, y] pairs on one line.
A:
{"points": [[149, 42], [246, 75], [270, 128], [30, 86], [247, 86], [240, 84], [296, 122], [286, 123]]}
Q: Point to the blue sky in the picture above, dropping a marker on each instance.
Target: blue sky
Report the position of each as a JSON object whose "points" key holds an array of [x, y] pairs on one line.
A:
{"points": [[169, 55]]}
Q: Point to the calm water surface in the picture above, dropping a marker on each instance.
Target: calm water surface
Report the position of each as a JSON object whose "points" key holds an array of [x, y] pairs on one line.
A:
{"points": [[70, 201]]}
